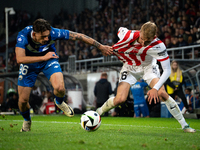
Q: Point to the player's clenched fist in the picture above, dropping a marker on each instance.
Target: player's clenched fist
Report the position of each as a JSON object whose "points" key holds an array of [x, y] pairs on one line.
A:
{"points": [[106, 50], [50, 55]]}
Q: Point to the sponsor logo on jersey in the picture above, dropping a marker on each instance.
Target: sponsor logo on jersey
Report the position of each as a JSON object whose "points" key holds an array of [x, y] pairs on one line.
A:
{"points": [[59, 34], [55, 62], [136, 86], [154, 69], [163, 53], [156, 47]]}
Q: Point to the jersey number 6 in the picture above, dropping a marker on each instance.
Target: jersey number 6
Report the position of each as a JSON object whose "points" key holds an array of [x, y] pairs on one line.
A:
{"points": [[124, 75]]}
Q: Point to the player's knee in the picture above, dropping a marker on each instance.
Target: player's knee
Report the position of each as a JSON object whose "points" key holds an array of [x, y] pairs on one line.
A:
{"points": [[162, 94], [60, 90], [23, 102], [24, 98]]}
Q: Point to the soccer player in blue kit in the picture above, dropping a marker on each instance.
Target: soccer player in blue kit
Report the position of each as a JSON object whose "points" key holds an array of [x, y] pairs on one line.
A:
{"points": [[35, 52], [140, 104]]}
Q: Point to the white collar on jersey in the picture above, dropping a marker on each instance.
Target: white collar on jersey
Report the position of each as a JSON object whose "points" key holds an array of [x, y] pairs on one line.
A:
{"points": [[32, 34], [33, 39]]}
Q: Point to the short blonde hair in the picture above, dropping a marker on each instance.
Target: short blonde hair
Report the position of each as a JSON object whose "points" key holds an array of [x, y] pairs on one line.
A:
{"points": [[149, 30]]}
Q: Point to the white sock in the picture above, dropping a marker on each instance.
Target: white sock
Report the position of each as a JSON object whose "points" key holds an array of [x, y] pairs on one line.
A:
{"points": [[175, 111], [109, 104]]}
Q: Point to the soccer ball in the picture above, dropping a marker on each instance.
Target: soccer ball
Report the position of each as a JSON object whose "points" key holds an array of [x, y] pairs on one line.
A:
{"points": [[90, 120]]}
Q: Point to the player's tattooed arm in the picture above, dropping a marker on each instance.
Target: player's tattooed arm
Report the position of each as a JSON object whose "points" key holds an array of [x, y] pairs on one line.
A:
{"points": [[105, 50], [84, 38]]}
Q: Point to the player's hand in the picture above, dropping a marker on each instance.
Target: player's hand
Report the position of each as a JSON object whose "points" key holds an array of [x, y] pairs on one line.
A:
{"points": [[50, 55], [106, 50], [152, 94]]}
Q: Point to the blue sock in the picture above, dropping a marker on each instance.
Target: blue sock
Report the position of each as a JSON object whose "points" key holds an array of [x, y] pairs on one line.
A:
{"points": [[26, 115], [59, 100]]}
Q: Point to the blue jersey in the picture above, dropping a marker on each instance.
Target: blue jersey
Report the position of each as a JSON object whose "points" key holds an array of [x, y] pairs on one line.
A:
{"points": [[28, 72], [138, 92], [25, 41]]}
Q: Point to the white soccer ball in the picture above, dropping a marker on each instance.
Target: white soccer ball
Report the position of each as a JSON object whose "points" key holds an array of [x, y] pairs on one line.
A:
{"points": [[90, 120]]}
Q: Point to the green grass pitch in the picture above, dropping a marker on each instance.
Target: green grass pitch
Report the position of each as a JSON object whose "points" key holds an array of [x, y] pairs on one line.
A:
{"points": [[58, 132]]}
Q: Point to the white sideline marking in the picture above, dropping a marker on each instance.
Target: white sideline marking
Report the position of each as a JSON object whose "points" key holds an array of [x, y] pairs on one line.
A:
{"points": [[120, 125]]}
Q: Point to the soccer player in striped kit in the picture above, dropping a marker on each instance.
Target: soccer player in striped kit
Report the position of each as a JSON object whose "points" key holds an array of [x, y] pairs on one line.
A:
{"points": [[139, 51]]}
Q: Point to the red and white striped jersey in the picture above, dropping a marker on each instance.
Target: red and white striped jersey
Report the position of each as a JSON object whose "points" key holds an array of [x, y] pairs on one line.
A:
{"points": [[128, 50]]}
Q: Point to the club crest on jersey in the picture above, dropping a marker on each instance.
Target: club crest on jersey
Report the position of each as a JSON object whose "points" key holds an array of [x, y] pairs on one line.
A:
{"points": [[20, 40], [20, 77]]}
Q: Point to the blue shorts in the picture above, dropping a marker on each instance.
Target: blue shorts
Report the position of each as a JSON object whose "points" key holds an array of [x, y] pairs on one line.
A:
{"points": [[141, 108], [28, 72]]}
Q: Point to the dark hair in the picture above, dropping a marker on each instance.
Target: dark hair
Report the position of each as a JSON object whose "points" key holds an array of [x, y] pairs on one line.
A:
{"points": [[41, 25], [189, 89]]}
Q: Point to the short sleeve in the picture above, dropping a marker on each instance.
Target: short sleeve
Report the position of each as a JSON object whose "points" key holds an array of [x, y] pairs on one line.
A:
{"points": [[122, 32], [21, 41], [59, 34]]}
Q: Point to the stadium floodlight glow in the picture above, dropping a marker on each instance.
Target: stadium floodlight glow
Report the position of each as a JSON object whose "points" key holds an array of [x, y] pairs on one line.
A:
{"points": [[11, 12]]}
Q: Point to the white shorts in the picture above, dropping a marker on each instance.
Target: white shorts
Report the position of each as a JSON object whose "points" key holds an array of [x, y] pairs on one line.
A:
{"points": [[131, 74]]}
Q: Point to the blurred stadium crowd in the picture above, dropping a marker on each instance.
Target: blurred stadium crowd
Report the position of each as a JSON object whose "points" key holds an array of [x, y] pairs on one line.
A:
{"points": [[178, 23]]}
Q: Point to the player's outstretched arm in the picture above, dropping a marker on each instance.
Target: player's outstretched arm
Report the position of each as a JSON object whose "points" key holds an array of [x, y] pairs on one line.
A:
{"points": [[23, 59], [105, 50]]}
